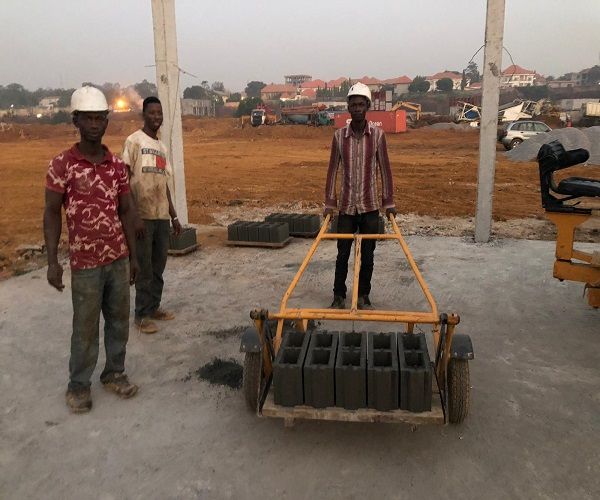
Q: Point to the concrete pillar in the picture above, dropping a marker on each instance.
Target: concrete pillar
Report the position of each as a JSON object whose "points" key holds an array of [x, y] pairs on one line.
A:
{"points": [[167, 81], [492, 69]]}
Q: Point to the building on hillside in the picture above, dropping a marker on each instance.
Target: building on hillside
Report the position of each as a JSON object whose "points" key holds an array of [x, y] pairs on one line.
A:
{"points": [[474, 86], [276, 91], [561, 84], [373, 83], [588, 76], [308, 93], [400, 84], [296, 80], [455, 76], [197, 107], [331, 84], [314, 84], [516, 76], [49, 103]]}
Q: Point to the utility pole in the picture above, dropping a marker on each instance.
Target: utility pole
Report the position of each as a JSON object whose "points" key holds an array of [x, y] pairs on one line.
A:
{"points": [[167, 82], [492, 70]]}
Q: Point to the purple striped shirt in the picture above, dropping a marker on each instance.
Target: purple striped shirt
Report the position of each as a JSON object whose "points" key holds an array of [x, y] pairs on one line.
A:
{"points": [[359, 156]]}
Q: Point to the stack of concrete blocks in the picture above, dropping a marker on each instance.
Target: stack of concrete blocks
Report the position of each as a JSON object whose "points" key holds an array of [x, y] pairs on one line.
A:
{"points": [[264, 232], [288, 369], [382, 371], [319, 380], [334, 224], [351, 371], [415, 373], [299, 224]]}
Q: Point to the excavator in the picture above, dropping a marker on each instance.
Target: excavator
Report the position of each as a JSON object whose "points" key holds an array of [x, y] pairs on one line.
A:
{"points": [[413, 106]]}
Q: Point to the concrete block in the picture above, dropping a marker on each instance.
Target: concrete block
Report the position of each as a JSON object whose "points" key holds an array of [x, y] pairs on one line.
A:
{"points": [[185, 239], [311, 223], [353, 340], [288, 384], [253, 231], [415, 373], [319, 372], [296, 222], [264, 232], [232, 231], [242, 230], [382, 371], [351, 372], [279, 232]]}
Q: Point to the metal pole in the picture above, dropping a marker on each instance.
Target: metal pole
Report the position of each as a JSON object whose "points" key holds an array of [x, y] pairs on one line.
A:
{"points": [[492, 68], [167, 82]]}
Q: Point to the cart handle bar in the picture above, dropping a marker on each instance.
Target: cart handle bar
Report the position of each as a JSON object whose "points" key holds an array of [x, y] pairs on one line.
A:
{"points": [[353, 314]]}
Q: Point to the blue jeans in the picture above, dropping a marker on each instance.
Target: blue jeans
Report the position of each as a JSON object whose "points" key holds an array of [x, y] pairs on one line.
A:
{"points": [[101, 289]]}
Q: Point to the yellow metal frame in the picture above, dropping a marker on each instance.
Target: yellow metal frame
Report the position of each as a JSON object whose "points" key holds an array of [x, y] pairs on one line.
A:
{"points": [[584, 271], [301, 316]]}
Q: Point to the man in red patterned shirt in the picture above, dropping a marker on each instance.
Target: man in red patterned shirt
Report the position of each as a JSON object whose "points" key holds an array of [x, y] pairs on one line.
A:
{"points": [[361, 150], [91, 183]]}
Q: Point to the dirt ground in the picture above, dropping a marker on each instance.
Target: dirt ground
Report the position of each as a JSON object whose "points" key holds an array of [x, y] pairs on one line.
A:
{"points": [[532, 432], [233, 172]]}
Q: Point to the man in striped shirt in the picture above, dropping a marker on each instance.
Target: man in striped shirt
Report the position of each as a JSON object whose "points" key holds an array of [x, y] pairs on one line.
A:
{"points": [[361, 150]]}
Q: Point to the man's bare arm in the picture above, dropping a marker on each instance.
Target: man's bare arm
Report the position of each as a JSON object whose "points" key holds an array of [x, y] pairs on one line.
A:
{"points": [[128, 214], [52, 230]]}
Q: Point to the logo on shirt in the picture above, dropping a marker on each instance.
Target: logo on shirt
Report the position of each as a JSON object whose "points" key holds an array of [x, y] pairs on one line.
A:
{"points": [[160, 161]]}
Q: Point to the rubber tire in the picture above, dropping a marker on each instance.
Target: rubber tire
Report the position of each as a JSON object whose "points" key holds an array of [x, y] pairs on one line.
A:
{"points": [[515, 142], [251, 379], [459, 390]]}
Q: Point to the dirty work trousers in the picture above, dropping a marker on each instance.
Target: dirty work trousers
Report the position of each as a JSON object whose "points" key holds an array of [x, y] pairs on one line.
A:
{"points": [[152, 259], [365, 223], [100, 289]]}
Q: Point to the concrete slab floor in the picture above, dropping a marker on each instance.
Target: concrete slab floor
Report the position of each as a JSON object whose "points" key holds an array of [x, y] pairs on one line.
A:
{"points": [[533, 431]]}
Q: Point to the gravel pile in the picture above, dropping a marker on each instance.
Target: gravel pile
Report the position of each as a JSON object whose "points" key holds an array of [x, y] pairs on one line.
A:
{"points": [[570, 138], [462, 127]]}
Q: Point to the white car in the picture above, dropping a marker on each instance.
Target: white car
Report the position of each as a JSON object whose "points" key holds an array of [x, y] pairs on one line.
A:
{"points": [[514, 133]]}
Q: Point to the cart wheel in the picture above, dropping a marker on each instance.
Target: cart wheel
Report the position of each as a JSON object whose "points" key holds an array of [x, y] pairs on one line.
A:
{"points": [[459, 390], [251, 379]]}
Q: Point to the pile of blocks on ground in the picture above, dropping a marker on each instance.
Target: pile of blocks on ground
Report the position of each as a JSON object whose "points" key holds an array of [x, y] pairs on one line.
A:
{"points": [[351, 370], [276, 228]]}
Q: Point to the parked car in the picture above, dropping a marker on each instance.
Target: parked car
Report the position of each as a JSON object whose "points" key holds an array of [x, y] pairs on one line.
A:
{"points": [[514, 133]]}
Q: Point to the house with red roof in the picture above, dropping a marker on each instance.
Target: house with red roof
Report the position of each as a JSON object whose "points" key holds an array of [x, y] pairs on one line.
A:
{"points": [[336, 83], [455, 76], [516, 76], [314, 84], [400, 84], [275, 91]]}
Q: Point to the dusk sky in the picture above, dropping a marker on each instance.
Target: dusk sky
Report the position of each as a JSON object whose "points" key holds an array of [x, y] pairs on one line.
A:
{"points": [[63, 43]]}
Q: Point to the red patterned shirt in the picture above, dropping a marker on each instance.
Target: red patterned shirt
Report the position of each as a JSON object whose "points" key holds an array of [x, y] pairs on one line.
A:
{"points": [[91, 200], [361, 157]]}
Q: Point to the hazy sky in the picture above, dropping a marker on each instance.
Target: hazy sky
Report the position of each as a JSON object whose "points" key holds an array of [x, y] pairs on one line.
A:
{"points": [[62, 43]]}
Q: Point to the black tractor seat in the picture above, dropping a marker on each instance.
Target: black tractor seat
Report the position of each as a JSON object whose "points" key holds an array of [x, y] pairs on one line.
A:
{"points": [[579, 186], [552, 157]]}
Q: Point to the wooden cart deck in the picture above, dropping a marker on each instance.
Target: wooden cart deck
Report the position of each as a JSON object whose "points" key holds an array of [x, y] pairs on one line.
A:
{"points": [[291, 413]]}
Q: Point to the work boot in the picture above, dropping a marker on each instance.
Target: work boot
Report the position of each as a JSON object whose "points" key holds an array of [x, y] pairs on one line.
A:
{"points": [[339, 302], [364, 302], [146, 326], [79, 400], [120, 385], [162, 315]]}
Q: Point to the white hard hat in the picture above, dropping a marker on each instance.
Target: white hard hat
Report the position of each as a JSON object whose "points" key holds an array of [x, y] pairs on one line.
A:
{"points": [[88, 99], [360, 89]]}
